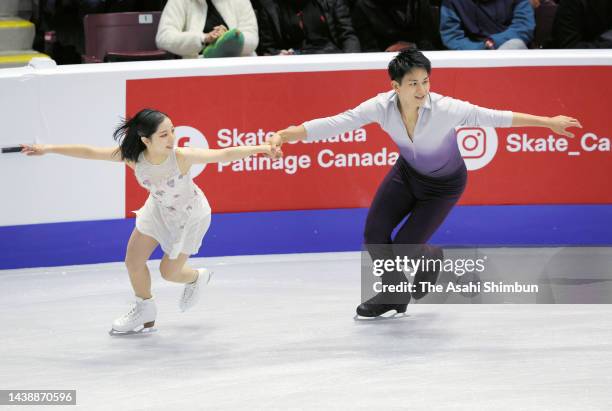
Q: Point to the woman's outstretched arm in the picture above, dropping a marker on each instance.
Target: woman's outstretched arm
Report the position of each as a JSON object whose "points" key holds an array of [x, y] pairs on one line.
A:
{"points": [[224, 155], [73, 150]]}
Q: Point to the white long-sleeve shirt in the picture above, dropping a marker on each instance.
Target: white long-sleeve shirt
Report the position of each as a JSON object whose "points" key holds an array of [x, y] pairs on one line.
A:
{"points": [[433, 150], [182, 23]]}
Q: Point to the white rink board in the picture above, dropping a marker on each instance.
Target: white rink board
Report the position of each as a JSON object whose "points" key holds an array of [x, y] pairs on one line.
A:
{"points": [[83, 104]]}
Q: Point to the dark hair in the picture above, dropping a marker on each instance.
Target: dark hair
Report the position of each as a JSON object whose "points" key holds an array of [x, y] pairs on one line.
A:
{"points": [[129, 132], [405, 62]]}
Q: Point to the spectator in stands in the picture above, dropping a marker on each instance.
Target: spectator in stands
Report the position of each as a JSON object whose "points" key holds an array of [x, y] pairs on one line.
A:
{"points": [[390, 25], [61, 19], [187, 26], [306, 27], [255, 4], [486, 24], [538, 3], [583, 24]]}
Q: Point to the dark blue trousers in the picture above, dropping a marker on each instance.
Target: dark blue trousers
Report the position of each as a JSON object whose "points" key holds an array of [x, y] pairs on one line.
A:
{"points": [[425, 200]]}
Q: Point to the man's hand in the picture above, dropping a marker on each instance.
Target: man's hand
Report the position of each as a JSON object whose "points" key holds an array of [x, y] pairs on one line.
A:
{"points": [[560, 124], [276, 142]]}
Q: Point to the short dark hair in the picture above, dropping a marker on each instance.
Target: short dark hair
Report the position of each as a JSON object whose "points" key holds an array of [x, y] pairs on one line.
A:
{"points": [[405, 62], [144, 124]]}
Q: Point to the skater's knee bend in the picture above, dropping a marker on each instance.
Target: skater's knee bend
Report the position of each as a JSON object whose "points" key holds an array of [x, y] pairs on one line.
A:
{"points": [[167, 272]]}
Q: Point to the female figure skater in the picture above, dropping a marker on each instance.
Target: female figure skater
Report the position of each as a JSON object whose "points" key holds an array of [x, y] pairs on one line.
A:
{"points": [[176, 215], [430, 174]]}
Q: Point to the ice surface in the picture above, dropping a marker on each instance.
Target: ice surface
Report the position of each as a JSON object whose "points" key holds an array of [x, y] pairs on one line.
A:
{"points": [[276, 332]]}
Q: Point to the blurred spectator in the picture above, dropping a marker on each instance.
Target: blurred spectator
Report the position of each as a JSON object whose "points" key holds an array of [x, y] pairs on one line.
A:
{"points": [[255, 4], [544, 11], [306, 27], [187, 26], [486, 24], [538, 3], [535, 3], [585, 24], [63, 23], [392, 24]]}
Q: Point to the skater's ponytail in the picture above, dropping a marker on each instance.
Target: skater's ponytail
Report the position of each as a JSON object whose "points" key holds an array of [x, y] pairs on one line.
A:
{"points": [[128, 134]]}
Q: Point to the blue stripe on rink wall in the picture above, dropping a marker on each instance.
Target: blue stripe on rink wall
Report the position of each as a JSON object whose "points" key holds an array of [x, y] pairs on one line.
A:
{"points": [[306, 231]]}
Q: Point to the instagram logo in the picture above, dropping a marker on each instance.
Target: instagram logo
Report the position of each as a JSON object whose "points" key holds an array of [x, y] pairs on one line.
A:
{"points": [[477, 146], [472, 142], [191, 137]]}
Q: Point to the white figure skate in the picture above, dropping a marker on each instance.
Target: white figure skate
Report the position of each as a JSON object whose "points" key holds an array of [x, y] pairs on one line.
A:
{"points": [[191, 292], [138, 320]]}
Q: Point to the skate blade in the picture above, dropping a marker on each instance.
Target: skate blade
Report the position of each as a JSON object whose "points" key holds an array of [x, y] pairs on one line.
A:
{"points": [[383, 317], [142, 331], [210, 274]]}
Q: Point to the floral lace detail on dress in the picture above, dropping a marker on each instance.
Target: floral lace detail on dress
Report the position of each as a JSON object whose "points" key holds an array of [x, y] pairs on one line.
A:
{"points": [[174, 195]]}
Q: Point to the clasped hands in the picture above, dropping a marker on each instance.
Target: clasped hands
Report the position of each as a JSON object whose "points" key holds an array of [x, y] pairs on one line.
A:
{"points": [[275, 142], [214, 35]]}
